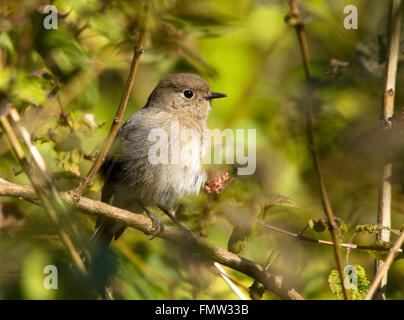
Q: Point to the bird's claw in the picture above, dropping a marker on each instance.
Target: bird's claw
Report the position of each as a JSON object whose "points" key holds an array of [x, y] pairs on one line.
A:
{"points": [[158, 226]]}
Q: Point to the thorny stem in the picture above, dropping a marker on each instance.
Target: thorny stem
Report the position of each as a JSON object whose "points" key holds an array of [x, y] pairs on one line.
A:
{"points": [[121, 109], [301, 35], [384, 207]]}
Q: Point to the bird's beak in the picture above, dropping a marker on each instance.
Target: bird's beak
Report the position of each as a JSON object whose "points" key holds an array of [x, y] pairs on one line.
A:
{"points": [[215, 95]]}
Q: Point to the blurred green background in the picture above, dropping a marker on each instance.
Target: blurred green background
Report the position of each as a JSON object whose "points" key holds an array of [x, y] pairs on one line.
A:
{"points": [[245, 49]]}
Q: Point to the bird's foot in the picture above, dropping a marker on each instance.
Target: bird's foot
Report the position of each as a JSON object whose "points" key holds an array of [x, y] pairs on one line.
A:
{"points": [[178, 223], [158, 226]]}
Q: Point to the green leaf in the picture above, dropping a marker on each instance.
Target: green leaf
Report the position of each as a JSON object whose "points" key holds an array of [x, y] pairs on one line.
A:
{"points": [[278, 200], [368, 228], [317, 225], [5, 42], [68, 53], [257, 290], [6, 77], [342, 228], [238, 239], [29, 89]]}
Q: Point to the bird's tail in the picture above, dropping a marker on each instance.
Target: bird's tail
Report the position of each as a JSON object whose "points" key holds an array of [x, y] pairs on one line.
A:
{"points": [[103, 261], [102, 235]]}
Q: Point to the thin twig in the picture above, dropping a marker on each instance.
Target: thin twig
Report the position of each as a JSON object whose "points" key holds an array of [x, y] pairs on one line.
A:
{"points": [[384, 219], [350, 246], [64, 115], [383, 270], [273, 283], [384, 207], [121, 109], [231, 282], [301, 35], [35, 169]]}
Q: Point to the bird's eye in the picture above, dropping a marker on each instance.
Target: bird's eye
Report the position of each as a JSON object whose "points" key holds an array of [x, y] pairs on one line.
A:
{"points": [[188, 94]]}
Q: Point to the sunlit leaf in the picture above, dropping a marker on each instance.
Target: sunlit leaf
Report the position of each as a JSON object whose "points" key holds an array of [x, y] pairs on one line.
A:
{"points": [[280, 201]]}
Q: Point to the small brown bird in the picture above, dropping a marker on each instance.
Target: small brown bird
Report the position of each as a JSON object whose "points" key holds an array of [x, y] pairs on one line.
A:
{"points": [[132, 180]]}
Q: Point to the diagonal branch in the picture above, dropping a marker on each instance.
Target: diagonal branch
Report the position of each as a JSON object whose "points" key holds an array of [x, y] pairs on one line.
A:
{"points": [[386, 265], [301, 35], [36, 171], [349, 246], [121, 109], [273, 283]]}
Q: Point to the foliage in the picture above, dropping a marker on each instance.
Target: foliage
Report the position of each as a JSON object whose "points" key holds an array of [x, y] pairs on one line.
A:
{"points": [[67, 84]]}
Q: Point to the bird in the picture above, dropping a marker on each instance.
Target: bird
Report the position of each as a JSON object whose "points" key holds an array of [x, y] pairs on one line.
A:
{"points": [[135, 183]]}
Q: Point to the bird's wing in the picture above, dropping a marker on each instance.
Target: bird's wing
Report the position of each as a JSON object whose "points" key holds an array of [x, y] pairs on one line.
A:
{"points": [[111, 168], [107, 170], [106, 228], [110, 173]]}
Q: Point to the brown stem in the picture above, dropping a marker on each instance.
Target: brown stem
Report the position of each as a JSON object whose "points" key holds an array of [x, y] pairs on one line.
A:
{"points": [[121, 109], [273, 283], [384, 207], [301, 35], [64, 115]]}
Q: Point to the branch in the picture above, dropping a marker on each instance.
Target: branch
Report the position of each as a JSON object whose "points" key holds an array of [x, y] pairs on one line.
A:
{"points": [[231, 282], [349, 246], [35, 169], [273, 283], [383, 270], [392, 60], [121, 109], [301, 35], [384, 207]]}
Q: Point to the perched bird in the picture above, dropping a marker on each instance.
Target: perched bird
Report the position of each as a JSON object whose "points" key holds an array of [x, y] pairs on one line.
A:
{"points": [[131, 180]]}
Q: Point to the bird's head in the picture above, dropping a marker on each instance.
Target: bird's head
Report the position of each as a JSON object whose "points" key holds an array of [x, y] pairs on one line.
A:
{"points": [[183, 92]]}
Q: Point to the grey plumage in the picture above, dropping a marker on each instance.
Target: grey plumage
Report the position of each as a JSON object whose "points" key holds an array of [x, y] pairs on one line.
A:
{"points": [[131, 181]]}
